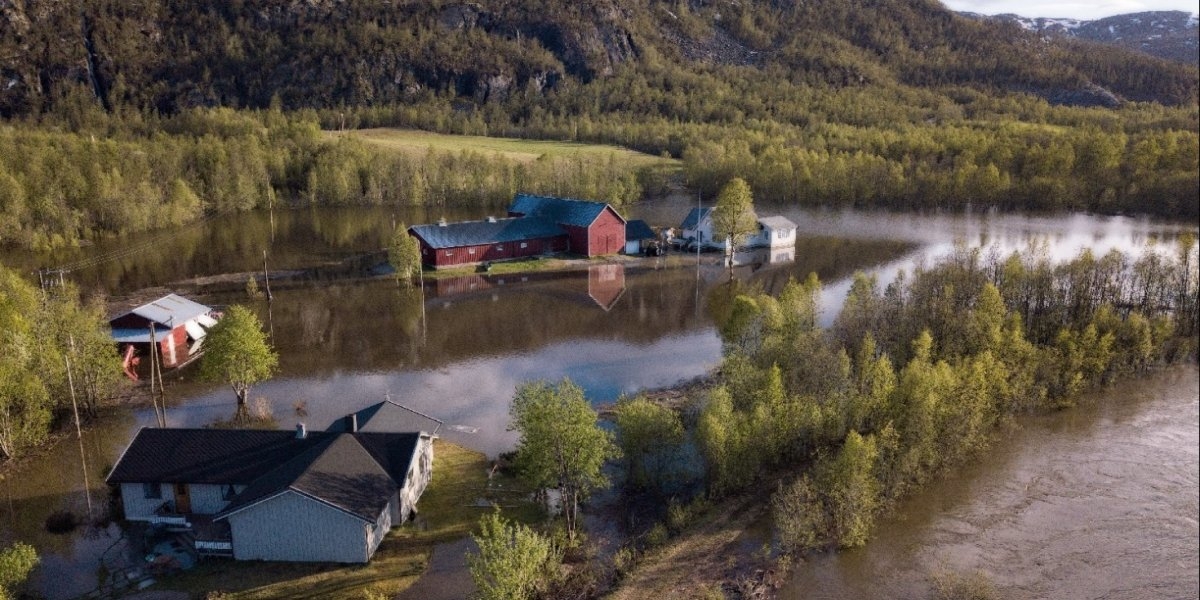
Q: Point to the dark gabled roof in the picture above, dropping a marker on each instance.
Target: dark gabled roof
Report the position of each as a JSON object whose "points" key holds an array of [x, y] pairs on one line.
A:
{"points": [[638, 230], [237, 456], [491, 231], [385, 417], [340, 472], [355, 472], [564, 211], [392, 451], [693, 217]]}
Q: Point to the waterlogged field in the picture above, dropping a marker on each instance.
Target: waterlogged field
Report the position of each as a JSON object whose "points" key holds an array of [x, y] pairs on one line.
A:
{"points": [[521, 150]]}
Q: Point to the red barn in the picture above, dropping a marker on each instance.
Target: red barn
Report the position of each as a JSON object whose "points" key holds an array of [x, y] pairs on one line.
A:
{"points": [[536, 225], [593, 228], [468, 242]]}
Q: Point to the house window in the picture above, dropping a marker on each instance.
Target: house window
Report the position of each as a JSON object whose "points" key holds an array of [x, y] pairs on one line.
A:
{"points": [[227, 492], [152, 491]]}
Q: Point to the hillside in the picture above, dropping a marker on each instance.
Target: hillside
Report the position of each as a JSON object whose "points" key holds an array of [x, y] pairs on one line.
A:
{"points": [[129, 115], [323, 53], [1173, 35]]}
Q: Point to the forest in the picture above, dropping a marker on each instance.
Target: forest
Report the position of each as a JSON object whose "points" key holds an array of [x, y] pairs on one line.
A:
{"points": [[126, 117]]}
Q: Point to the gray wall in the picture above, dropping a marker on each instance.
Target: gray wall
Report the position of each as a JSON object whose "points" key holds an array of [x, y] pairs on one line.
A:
{"points": [[420, 471], [206, 499], [137, 506], [294, 527]]}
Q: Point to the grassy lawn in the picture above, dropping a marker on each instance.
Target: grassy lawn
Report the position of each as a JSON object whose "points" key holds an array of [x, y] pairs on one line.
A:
{"points": [[448, 510], [418, 142]]}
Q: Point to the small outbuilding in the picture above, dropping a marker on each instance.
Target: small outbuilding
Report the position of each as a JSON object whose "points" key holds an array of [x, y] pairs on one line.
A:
{"points": [[773, 232], [637, 235], [175, 326]]}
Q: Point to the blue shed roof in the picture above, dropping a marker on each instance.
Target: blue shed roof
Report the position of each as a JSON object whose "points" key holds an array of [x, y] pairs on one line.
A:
{"points": [[566, 211], [638, 230], [492, 231], [694, 216]]}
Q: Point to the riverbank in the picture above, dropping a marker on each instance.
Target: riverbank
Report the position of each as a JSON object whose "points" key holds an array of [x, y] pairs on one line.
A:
{"points": [[727, 550]]}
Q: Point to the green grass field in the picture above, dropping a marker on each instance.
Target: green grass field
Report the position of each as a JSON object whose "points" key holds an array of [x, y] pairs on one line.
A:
{"points": [[417, 142]]}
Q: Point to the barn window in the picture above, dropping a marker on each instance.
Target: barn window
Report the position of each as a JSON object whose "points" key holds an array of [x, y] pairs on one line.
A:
{"points": [[470, 251], [524, 245], [152, 491], [449, 253], [499, 246]]}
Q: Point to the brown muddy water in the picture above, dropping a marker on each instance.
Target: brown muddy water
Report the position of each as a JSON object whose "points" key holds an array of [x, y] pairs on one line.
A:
{"points": [[456, 350], [1098, 501]]}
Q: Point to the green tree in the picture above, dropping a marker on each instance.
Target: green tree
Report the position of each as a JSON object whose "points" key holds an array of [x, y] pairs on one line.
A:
{"points": [[852, 492], [649, 435], [514, 562], [29, 366], [733, 217], [16, 562], [404, 254], [236, 351], [562, 446]]}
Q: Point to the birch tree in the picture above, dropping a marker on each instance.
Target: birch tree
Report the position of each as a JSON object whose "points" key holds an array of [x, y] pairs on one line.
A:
{"points": [[236, 352], [562, 446]]}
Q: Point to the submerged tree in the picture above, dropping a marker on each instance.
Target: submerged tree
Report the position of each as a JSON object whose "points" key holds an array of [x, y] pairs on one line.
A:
{"points": [[562, 446], [236, 351], [404, 254], [734, 217]]}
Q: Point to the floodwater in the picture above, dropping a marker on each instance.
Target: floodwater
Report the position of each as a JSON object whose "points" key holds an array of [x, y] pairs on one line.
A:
{"points": [[1099, 501], [457, 349]]}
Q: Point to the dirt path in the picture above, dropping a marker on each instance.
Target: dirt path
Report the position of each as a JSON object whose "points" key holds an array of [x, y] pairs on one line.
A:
{"points": [[704, 559], [446, 577]]}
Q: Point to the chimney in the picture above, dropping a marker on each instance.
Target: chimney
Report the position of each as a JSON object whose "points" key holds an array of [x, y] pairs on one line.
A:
{"points": [[352, 422], [301, 431]]}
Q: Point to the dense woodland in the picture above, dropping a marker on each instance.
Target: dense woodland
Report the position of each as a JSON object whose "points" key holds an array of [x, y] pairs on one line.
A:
{"points": [[115, 109], [917, 377]]}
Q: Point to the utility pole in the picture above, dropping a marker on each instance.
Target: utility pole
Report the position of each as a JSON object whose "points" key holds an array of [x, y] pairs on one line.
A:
{"points": [[78, 427], [159, 417], [267, 277]]}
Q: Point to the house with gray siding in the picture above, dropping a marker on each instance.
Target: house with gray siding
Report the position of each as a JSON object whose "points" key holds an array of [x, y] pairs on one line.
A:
{"points": [[323, 496]]}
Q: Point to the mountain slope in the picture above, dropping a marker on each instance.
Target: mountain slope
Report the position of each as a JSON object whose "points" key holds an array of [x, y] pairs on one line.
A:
{"points": [[1173, 35], [323, 53]]}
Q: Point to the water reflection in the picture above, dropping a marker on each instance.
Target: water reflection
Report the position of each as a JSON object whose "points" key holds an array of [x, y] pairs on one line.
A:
{"points": [[459, 349]]}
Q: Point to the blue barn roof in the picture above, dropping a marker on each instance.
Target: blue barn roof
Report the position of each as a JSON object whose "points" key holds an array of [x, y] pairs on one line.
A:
{"points": [[490, 231], [694, 217], [566, 211], [637, 229]]}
